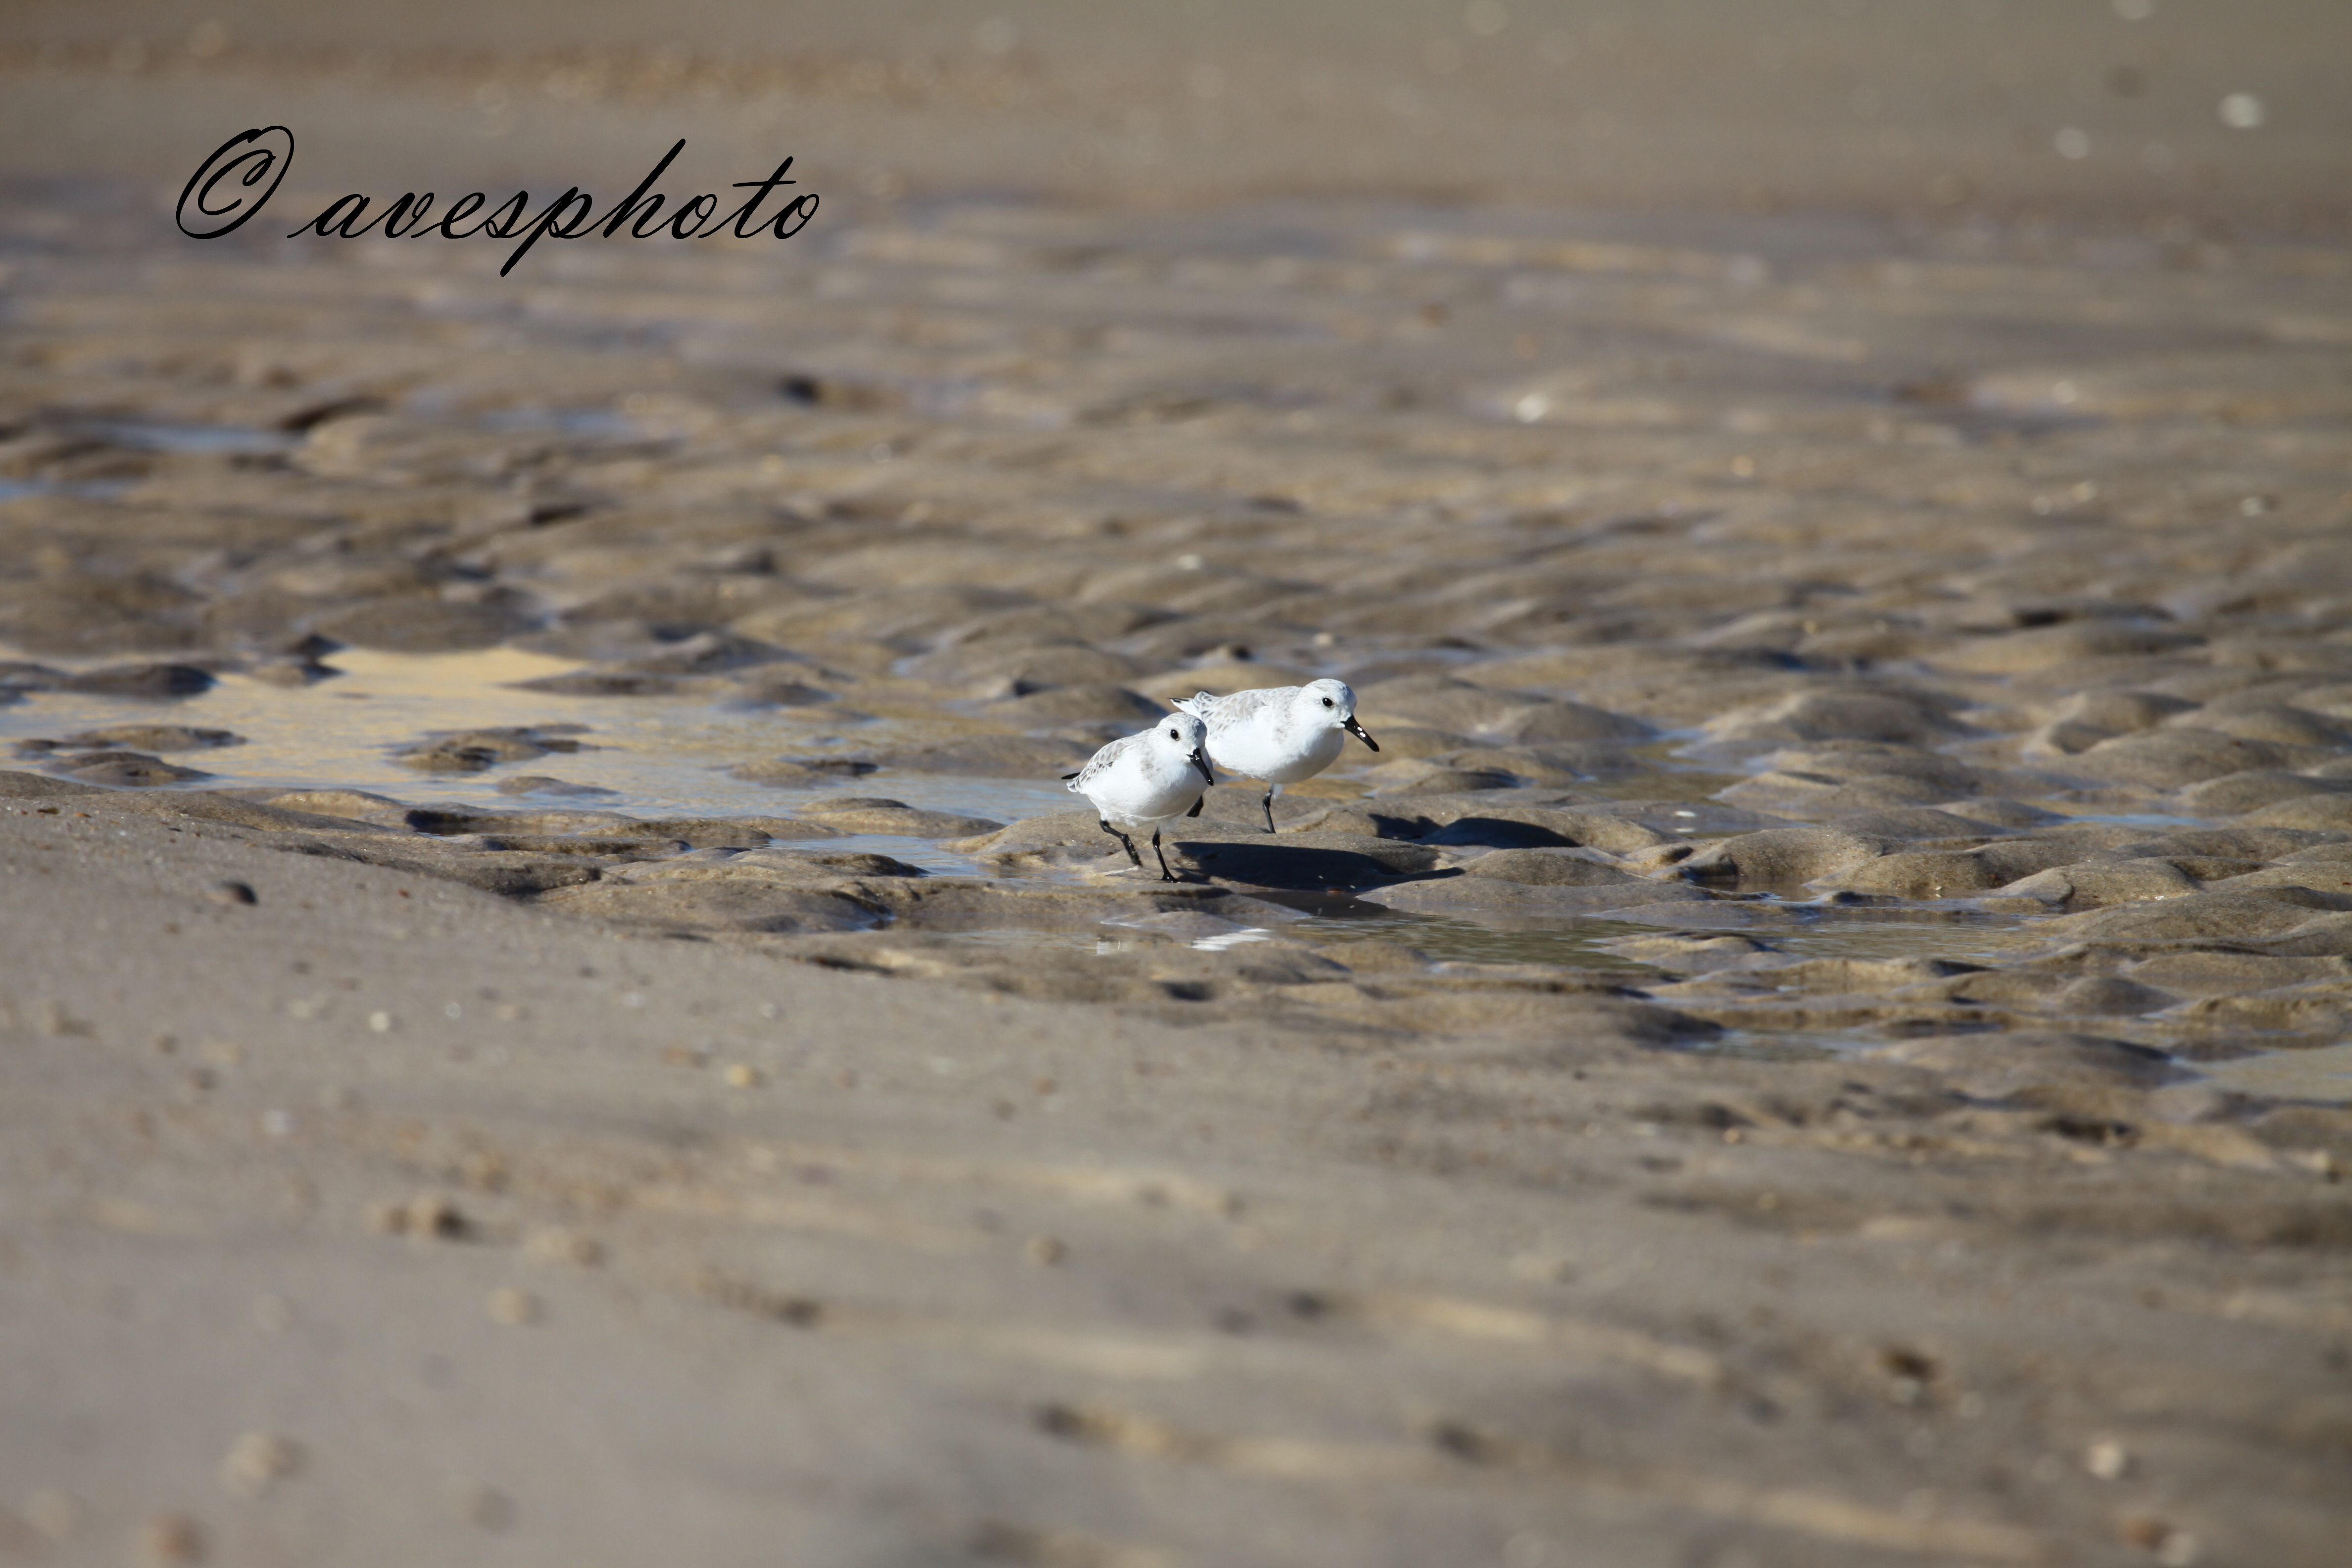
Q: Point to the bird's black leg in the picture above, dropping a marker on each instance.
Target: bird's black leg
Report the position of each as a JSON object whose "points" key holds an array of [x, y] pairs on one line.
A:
{"points": [[1124, 842], [1165, 874], [1269, 809]]}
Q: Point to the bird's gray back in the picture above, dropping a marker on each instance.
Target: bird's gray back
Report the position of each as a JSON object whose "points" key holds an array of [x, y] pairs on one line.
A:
{"points": [[1101, 762], [1239, 709]]}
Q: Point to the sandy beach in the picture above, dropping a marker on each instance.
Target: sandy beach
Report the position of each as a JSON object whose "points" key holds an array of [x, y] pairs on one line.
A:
{"points": [[553, 1006]]}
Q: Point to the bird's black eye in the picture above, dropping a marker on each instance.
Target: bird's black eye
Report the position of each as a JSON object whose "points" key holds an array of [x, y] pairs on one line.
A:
{"points": [[1174, 736], [1327, 702]]}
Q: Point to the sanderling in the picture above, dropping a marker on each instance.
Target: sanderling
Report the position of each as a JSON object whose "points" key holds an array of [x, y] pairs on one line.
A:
{"points": [[1283, 736], [1143, 780]]}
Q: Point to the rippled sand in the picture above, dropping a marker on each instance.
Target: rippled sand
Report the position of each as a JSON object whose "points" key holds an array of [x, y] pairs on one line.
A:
{"points": [[1782, 587], [1816, 1038]]}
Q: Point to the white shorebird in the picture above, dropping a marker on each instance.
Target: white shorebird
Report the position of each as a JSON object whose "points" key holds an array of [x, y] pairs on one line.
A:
{"points": [[1143, 780], [1283, 736]]}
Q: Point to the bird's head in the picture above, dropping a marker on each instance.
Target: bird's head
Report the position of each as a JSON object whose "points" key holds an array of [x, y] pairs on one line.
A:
{"points": [[1331, 703], [1183, 735]]}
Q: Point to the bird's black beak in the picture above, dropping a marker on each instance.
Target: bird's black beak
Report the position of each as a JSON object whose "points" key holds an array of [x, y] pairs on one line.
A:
{"points": [[1357, 729], [1201, 763]]}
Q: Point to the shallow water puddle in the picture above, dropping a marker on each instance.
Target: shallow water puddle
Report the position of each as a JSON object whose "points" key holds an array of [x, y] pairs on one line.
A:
{"points": [[1100, 942], [1579, 943], [1668, 774], [1792, 1046], [2323, 1073], [94, 489], [161, 436], [1963, 936], [658, 756], [1572, 945]]}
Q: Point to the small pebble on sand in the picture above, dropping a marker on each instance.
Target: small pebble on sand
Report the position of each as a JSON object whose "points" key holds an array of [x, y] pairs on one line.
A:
{"points": [[169, 1538], [255, 1460], [2169, 1545], [555, 1244], [423, 1218], [231, 893], [513, 1308], [56, 1019], [487, 1508], [1044, 1251]]}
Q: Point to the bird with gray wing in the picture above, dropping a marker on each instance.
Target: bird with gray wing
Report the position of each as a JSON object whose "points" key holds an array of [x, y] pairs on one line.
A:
{"points": [[1284, 735], [1143, 780]]}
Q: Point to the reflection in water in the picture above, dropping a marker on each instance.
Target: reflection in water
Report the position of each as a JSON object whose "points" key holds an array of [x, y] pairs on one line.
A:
{"points": [[1573, 945], [1968, 937], [2321, 1074], [94, 489], [156, 436], [1813, 1046], [660, 756]]}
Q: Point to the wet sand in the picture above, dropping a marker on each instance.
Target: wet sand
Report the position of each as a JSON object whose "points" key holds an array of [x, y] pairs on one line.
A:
{"points": [[554, 1008]]}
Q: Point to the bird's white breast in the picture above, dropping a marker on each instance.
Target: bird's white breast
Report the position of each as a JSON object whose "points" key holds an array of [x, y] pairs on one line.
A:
{"points": [[1277, 744]]}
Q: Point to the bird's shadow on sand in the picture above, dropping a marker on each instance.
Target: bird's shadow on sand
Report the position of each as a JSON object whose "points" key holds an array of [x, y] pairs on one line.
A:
{"points": [[1275, 864]]}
